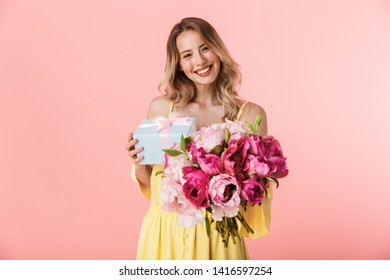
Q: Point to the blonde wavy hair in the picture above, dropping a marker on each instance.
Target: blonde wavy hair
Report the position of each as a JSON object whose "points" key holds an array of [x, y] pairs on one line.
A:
{"points": [[180, 89]]}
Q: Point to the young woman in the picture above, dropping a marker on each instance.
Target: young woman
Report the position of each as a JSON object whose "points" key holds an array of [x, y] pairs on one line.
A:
{"points": [[200, 81]]}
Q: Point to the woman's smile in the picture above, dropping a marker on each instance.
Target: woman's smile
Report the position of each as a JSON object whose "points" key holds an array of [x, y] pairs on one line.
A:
{"points": [[204, 71]]}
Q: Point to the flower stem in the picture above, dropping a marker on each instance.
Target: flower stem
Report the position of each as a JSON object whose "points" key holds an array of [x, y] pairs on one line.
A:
{"points": [[244, 223]]}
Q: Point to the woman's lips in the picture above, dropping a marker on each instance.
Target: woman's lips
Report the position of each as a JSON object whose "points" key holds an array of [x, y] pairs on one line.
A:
{"points": [[204, 72]]}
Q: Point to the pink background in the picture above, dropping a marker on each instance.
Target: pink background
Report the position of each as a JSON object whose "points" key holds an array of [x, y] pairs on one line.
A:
{"points": [[77, 77]]}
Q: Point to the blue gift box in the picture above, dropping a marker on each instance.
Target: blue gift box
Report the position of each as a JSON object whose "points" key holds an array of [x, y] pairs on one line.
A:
{"points": [[161, 133]]}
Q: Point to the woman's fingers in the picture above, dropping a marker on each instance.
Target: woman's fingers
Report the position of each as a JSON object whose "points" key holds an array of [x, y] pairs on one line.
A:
{"points": [[131, 144], [130, 136], [132, 151], [129, 141], [128, 145], [138, 159]]}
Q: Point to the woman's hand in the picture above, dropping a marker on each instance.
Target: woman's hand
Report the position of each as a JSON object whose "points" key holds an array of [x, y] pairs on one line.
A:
{"points": [[142, 172], [132, 151]]}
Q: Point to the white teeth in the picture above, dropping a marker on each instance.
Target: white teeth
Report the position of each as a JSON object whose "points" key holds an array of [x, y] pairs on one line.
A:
{"points": [[203, 71]]}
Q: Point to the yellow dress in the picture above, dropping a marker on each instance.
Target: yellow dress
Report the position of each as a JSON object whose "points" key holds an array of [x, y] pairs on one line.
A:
{"points": [[161, 238]]}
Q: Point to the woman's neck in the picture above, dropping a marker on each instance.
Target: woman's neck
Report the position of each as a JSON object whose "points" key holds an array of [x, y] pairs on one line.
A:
{"points": [[206, 95]]}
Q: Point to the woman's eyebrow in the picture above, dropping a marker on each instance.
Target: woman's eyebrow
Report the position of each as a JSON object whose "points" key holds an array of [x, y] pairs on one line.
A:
{"points": [[190, 50], [185, 51]]}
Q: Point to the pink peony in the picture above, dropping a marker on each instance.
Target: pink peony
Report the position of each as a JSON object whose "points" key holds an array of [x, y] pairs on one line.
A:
{"points": [[195, 186], [275, 159], [211, 136], [173, 167], [172, 197], [237, 155], [255, 167], [255, 148], [190, 217], [173, 200], [210, 164], [229, 159], [236, 129], [252, 157], [225, 194], [252, 191], [195, 152]]}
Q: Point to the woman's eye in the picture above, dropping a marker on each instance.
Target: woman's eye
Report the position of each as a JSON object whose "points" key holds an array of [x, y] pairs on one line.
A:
{"points": [[187, 55], [205, 49]]}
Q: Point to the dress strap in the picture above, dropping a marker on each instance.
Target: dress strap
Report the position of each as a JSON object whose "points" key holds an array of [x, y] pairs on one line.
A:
{"points": [[240, 112], [170, 108]]}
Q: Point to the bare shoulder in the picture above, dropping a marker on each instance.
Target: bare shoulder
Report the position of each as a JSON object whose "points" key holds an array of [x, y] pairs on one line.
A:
{"points": [[251, 111], [159, 106]]}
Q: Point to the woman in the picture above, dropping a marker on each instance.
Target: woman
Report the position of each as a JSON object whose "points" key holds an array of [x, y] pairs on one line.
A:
{"points": [[200, 81]]}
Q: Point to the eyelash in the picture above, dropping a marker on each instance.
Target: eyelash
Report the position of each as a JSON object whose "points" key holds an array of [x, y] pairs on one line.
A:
{"points": [[203, 50]]}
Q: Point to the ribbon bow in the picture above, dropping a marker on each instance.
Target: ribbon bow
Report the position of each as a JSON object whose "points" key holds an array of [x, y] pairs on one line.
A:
{"points": [[163, 124]]}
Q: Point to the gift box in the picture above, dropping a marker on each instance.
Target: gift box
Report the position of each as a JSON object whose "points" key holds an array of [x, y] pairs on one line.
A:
{"points": [[160, 133]]}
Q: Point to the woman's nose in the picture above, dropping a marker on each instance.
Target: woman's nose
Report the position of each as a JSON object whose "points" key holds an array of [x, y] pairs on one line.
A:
{"points": [[201, 59]]}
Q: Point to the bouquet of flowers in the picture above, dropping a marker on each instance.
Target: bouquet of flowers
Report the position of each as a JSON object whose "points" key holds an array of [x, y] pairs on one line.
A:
{"points": [[217, 172]]}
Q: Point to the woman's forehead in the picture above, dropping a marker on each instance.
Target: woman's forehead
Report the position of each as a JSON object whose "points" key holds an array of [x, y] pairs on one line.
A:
{"points": [[188, 40]]}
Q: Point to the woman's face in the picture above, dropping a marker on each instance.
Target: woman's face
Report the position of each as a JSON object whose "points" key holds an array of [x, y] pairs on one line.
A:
{"points": [[200, 64]]}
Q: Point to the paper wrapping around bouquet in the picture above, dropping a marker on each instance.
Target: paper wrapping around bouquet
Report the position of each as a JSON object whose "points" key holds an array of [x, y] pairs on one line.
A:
{"points": [[160, 133]]}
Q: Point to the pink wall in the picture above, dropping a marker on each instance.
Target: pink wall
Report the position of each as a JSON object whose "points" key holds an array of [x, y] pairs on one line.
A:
{"points": [[76, 78]]}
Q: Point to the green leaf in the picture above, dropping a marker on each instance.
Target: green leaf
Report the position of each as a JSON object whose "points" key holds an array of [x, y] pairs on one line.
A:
{"points": [[227, 135], [217, 150], [188, 140], [172, 152], [250, 126], [266, 193], [273, 180], [244, 206], [160, 172], [258, 122], [255, 126], [277, 182], [218, 226], [207, 225], [183, 144]]}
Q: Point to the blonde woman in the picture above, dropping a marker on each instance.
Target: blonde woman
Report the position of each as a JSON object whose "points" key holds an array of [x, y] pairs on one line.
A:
{"points": [[200, 81]]}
